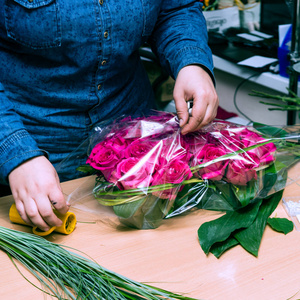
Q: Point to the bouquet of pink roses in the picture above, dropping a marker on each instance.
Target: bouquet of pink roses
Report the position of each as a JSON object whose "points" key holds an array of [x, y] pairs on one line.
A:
{"points": [[147, 170]]}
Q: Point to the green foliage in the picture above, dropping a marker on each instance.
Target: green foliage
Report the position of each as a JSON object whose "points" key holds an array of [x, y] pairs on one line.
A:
{"points": [[219, 230], [270, 130], [244, 227], [86, 169], [281, 225], [67, 275]]}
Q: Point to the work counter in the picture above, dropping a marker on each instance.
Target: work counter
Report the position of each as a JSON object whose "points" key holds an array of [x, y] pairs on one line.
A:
{"points": [[170, 256]]}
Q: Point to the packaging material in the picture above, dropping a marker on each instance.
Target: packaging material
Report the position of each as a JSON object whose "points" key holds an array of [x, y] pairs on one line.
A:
{"points": [[285, 39], [292, 208], [225, 4], [147, 170], [221, 19], [250, 16]]}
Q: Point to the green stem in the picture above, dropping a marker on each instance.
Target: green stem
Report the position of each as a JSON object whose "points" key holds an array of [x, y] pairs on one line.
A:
{"points": [[285, 109], [279, 105], [150, 189], [295, 100]]}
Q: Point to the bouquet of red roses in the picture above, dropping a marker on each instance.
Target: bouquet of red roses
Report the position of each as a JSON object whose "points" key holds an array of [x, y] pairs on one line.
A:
{"points": [[147, 170]]}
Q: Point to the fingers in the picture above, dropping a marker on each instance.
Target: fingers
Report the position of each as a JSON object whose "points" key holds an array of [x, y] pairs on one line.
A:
{"points": [[37, 216], [181, 108], [37, 210], [58, 201], [36, 189], [203, 112], [193, 83]]}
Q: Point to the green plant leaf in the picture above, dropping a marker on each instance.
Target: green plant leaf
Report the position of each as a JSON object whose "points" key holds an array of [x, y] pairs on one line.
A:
{"points": [[127, 210], [219, 248], [270, 130], [190, 196], [281, 225], [220, 229], [145, 213], [65, 274], [250, 238], [86, 169], [270, 176], [219, 197], [245, 193]]}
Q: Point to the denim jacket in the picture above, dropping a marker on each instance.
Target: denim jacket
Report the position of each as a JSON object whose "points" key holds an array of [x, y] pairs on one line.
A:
{"points": [[66, 65]]}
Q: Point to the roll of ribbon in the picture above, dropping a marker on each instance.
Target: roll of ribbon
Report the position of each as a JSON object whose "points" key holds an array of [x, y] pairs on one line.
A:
{"points": [[67, 227]]}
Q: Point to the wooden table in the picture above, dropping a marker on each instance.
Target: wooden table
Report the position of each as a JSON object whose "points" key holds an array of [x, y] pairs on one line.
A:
{"points": [[170, 256]]}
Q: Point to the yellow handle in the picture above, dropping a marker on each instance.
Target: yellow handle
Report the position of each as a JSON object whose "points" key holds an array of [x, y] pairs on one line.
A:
{"points": [[68, 219]]}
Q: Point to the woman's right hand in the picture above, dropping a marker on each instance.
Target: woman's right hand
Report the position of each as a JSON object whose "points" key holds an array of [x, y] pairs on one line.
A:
{"points": [[36, 190]]}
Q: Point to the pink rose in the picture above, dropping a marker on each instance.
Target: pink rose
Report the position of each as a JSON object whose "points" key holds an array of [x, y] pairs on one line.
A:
{"points": [[249, 137], [117, 143], [230, 140], [104, 159], [214, 171], [175, 172], [239, 173], [175, 147], [130, 173], [250, 160], [141, 147], [264, 153], [194, 142], [241, 138]]}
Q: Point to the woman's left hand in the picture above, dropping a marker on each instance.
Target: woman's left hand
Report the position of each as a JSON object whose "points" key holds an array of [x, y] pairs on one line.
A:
{"points": [[194, 83]]}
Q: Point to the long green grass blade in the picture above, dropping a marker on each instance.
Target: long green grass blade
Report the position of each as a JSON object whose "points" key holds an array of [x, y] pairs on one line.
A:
{"points": [[65, 274]]}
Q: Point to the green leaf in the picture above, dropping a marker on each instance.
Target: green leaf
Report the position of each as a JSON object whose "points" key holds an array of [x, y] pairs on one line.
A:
{"points": [[281, 225], [220, 229], [270, 130], [245, 193], [86, 169], [145, 213], [219, 197], [190, 196], [269, 176], [219, 248], [250, 238], [127, 210], [65, 274]]}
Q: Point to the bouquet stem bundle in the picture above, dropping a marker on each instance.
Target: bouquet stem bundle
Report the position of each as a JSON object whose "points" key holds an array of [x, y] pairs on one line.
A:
{"points": [[290, 103], [67, 275]]}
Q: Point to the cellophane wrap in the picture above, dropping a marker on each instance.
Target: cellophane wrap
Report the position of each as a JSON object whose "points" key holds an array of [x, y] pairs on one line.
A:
{"points": [[147, 170]]}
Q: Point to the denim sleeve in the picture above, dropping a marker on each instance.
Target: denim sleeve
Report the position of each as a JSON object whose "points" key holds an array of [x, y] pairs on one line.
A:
{"points": [[180, 37], [16, 145]]}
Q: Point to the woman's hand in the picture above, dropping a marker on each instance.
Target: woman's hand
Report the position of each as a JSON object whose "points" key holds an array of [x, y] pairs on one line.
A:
{"points": [[194, 83], [36, 189]]}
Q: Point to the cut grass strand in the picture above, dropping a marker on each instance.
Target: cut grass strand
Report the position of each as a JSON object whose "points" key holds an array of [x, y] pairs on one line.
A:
{"points": [[68, 275]]}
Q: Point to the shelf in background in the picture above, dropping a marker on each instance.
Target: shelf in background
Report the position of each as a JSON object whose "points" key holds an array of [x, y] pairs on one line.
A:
{"points": [[268, 79]]}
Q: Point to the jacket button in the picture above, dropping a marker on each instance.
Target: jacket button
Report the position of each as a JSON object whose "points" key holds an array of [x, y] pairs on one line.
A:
{"points": [[101, 2], [103, 62], [99, 87], [105, 34]]}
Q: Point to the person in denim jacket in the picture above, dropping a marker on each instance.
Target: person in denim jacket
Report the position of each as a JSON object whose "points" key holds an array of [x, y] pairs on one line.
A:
{"points": [[66, 65]]}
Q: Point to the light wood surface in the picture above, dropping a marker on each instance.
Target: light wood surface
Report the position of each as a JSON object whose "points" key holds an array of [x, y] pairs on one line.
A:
{"points": [[170, 256]]}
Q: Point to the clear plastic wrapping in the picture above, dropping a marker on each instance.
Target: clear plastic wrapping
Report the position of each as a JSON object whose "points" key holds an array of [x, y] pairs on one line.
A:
{"points": [[147, 170]]}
